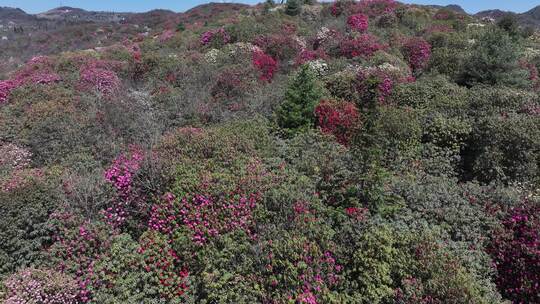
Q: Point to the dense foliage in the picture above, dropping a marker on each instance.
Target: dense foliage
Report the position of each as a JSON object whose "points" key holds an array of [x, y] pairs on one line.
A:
{"points": [[297, 152]]}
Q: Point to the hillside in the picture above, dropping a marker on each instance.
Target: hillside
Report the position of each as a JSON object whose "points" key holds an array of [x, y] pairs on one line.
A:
{"points": [[529, 18], [337, 152]]}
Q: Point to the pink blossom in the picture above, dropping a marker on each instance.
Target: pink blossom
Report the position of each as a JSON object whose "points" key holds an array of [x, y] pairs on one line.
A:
{"points": [[265, 64], [417, 51], [104, 81], [358, 22], [220, 36]]}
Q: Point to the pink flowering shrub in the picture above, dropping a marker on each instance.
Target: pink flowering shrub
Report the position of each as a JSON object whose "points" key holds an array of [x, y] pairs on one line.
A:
{"points": [[104, 81], [533, 73], [374, 84], [306, 55], [215, 38], [43, 286], [299, 270], [166, 36], [6, 86], [531, 108], [206, 217], [213, 211], [339, 6], [164, 264], [78, 244], [515, 250], [340, 119], [417, 52], [357, 214], [265, 64], [120, 175], [364, 46], [282, 46], [375, 8], [21, 178], [36, 71], [358, 22]]}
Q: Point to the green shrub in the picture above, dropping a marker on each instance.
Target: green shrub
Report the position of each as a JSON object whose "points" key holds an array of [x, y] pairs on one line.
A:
{"points": [[504, 148], [493, 60]]}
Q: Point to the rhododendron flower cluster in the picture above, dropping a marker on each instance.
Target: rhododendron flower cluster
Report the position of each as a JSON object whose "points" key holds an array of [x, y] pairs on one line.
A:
{"points": [[134, 49], [78, 244], [531, 108], [163, 262], [314, 272], [375, 83], [120, 174], [337, 8], [41, 286], [104, 81], [39, 60], [280, 46], [308, 55], [516, 254], [417, 52], [364, 45], [166, 36], [340, 119], [36, 71], [21, 178], [358, 22], [374, 8], [356, 213], [219, 36], [265, 64], [533, 73], [205, 217]]}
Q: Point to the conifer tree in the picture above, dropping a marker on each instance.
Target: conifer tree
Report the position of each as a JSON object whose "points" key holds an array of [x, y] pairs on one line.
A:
{"points": [[293, 7], [296, 113]]}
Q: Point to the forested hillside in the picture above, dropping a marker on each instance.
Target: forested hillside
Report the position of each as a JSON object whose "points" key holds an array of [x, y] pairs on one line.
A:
{"points": [[344, 152]]}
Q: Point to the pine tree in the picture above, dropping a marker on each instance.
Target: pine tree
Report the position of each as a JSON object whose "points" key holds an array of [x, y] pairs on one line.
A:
{"points": [[293, 7], [296, 113]]}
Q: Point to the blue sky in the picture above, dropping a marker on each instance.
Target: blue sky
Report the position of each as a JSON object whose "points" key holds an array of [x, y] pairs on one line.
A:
{"points": [[35, 6]]}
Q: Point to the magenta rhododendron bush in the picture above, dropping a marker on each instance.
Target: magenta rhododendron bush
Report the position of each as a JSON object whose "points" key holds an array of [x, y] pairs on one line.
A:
{"points": [[286, 152], [358, 22], [36, 71], [516, 254], [265, 64], [340, 119]]}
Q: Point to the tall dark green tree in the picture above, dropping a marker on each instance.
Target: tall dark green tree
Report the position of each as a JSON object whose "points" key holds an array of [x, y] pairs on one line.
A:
{"points": [[294, 7], [296, 112]]}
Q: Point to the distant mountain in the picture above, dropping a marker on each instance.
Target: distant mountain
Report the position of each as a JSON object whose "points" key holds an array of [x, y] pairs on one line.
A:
{"points": [[77, 14], [16, 15], [532, 17], [495, 14], [529, 18], [152, 18], [453, 7]]}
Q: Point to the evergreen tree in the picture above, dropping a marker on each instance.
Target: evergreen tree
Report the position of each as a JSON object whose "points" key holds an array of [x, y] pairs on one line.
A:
{"points": [[293, 7], [296, 113]]}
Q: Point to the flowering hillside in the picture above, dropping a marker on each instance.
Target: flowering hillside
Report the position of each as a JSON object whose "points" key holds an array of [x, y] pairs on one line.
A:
{"points": [[336, 152]]}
